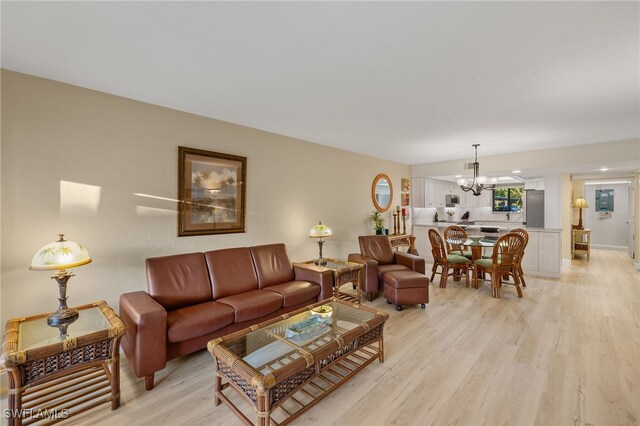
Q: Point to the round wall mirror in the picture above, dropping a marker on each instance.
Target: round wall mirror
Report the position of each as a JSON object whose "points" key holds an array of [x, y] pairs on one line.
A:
{"points": [[382, 192]]}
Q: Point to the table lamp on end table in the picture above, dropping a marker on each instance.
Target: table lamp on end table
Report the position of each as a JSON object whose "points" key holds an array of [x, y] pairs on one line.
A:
{"points": [[580, 203], [60, 255], [320, 232]]}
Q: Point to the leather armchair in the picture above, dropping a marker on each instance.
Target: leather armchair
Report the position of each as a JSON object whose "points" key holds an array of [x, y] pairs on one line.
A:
{"points": [[378, 258]]}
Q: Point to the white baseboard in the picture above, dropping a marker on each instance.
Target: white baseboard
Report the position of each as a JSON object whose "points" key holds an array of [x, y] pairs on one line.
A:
{"points": [[605, 247], [566, 263]]}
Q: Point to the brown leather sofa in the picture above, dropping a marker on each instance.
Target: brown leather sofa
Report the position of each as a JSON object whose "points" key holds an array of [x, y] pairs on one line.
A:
{"points": [[196, 297], [378, 258]]}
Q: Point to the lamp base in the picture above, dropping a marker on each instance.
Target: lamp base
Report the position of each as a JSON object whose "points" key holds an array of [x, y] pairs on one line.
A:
{"points": [[62, 317], [64, 314], [320, 262]]}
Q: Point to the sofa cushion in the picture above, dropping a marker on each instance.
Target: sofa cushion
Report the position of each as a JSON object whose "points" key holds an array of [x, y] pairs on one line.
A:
{"points": [[253, 304], [383, 269], [197, 320], [231, 272], [178, 280], [272, 264], [295, 292]]}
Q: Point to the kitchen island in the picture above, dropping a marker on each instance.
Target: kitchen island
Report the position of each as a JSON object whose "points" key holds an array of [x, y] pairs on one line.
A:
{"points": [[543, 255]]}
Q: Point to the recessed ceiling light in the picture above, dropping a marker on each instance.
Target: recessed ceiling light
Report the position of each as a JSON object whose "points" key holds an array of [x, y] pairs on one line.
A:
{"points": [[516, 171], [604, 169], [458, 176]]}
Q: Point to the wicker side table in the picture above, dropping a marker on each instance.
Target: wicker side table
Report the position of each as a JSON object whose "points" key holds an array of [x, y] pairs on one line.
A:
{"points": [[401, 240], [344, 272], [57, 372]]}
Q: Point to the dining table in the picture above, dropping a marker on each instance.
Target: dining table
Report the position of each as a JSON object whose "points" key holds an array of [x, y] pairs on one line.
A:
{"points": [[475, 245]]}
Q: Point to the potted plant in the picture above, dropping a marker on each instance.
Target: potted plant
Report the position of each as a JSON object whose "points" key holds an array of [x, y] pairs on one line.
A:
{"points": [[378, 221]]}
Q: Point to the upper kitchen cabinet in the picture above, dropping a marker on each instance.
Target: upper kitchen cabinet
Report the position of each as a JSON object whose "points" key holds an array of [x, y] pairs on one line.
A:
{"points": [[535, 184], [429, 192], [443, 189], [423, 192], [461, 195]]}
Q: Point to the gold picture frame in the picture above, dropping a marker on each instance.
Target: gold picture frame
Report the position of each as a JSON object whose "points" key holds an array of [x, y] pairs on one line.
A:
{"points": [[211, 192], [404, 185]]}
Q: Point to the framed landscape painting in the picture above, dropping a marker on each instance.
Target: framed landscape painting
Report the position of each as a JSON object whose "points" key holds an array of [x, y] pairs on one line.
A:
{"points": [[211, 192]]}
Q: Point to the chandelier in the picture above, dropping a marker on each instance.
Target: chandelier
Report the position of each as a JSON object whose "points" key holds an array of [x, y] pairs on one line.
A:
{"points": [[478, 183]]}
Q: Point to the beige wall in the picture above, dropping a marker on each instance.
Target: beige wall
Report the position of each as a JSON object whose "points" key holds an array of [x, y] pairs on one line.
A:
{"points": [[52, 132]]}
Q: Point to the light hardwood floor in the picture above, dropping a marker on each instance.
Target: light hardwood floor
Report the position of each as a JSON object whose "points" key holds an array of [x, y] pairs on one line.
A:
{"points": [[567, 353]]}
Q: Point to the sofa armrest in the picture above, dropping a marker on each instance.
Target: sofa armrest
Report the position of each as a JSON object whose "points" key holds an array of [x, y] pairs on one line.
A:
{"points": [[416, 263], [316, 274], [370, 279], [145, 342]]}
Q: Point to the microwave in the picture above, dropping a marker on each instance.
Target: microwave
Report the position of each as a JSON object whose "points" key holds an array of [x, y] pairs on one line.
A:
{"points": [[452, 200]]}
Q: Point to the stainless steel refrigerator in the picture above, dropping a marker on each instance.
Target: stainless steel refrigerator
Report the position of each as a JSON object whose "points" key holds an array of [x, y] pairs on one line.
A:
{"points": [[534, 209]]}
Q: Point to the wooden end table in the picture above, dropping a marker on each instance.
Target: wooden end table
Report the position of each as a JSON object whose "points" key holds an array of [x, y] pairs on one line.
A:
{"points": [[57, 372], [344, 272]]}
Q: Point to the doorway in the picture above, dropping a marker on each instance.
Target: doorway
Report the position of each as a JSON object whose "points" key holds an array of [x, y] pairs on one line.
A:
{"points": [[610, 214]]}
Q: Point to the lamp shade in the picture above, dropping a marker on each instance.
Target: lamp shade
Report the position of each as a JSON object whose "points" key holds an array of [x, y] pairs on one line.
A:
{"points": [[580, 202], [320, 231], [61, 254]]}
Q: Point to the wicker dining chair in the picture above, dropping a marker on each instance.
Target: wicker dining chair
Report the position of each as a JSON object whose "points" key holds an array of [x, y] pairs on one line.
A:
{"points": [[458, 264], [525, 235], [454, 234], [503, 263]]}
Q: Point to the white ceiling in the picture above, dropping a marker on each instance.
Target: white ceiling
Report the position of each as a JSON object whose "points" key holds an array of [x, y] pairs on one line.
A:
{"points": [[414, 82]]}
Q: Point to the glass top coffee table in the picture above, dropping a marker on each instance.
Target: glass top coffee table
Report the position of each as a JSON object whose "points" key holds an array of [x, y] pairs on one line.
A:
{"points": [[285, 366]]}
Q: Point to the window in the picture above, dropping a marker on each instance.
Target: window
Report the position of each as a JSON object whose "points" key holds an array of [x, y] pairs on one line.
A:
{"points": [[507, 199]]}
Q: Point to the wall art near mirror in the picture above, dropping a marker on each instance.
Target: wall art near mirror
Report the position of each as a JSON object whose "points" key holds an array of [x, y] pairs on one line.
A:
{"points": [[404, 184]]}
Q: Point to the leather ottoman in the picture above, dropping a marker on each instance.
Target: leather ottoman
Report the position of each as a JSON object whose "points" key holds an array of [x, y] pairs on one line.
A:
{"points": [[406, 288]]}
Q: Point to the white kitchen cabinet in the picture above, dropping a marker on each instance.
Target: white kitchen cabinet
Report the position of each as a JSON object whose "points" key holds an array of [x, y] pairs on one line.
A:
{"points": [[535, 184], [550, 250], [443, 188], [430, 192], [417, 192], [420, 232], [461, 195], [422, 243], [531, 257], [441, 191], [423, 192], [542, 255]]}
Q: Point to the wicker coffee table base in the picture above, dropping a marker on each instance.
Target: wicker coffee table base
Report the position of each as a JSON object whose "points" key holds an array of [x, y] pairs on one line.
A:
{"points": [[299, 393]]}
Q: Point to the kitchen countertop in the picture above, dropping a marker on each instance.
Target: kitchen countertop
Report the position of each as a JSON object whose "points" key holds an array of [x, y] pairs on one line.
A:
{"points": [[504, 227]]}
